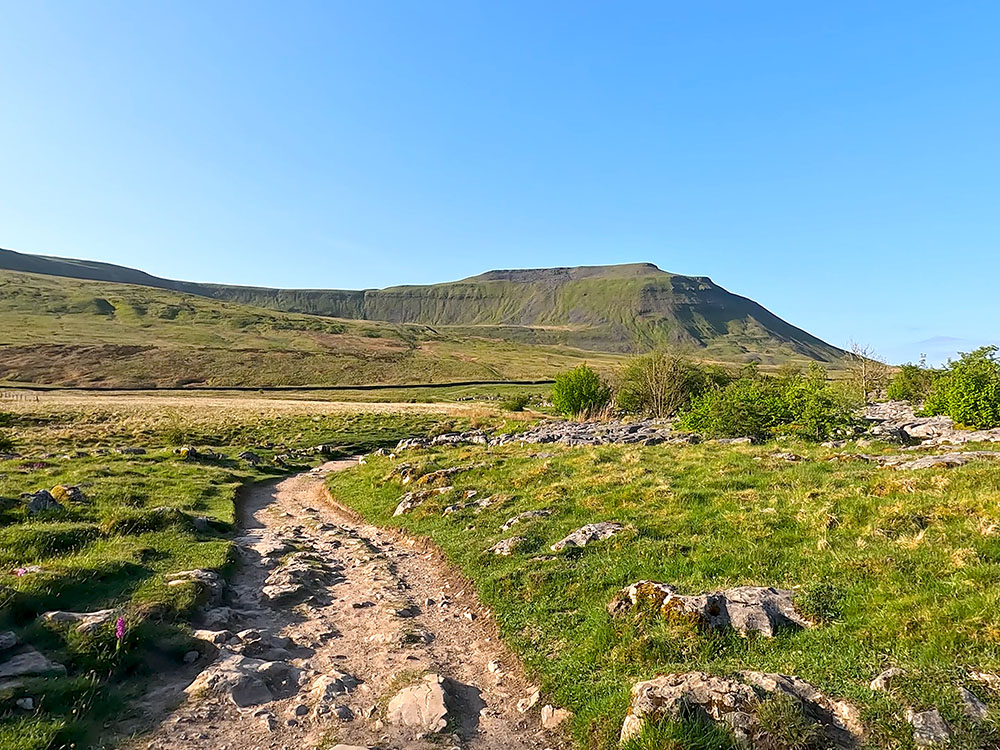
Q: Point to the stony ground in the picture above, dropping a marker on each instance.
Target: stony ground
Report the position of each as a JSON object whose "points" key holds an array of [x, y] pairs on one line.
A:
{"points": [[336, 632]]}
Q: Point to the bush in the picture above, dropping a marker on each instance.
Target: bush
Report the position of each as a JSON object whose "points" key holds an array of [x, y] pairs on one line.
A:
{"points": [[911, 383], [761, 407], [968, 390], [515, 403], [579, 392], [6, 443], [662, 384]]}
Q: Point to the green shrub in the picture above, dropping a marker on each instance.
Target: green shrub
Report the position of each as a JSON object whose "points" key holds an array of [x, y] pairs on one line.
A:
{"points": [[661, 384], [6, 443], [516, 402], [911, 383], [968, 390], [580, 392], [761, 407]]}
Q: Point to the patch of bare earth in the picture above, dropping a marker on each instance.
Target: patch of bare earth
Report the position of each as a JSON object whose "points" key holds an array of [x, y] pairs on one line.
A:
{"points": [[326, 623]]}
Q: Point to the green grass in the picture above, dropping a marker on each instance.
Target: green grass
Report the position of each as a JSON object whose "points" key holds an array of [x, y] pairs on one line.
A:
{"points": [[63, 331], [900, 568], [135, 526]]}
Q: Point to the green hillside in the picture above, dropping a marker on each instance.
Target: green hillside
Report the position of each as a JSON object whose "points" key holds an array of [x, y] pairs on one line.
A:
{"points": [[66, 331], [617, 309]]}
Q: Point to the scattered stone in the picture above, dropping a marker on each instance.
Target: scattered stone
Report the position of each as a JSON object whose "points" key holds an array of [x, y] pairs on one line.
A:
{"points": [[41, 501], [25, 704], [974, 708], [746, 609], [29, 663], [533, 695], [412, 500], [129, 450], [66, 493], [944, 461], [929, 728], [191, 657], [421, 706], [298, 579], [85, 622], [553, 717], [210, 584], [733, 441], [883, 683], [526, 515], [592, 532], [790, 457], [733, 701], [8, 640], [247, 681], [989, 679], [898, 422], [645, 432], [505, 547]]}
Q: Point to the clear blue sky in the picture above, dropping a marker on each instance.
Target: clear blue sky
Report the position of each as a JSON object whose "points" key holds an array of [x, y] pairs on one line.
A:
{"points": [[839, 162]]}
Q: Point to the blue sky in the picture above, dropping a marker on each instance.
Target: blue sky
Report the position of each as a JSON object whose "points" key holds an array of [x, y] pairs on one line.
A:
{"points": [[837, 162]]}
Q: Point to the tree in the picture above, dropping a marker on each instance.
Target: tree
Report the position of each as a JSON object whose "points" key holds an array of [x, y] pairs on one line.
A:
{"points": [[660, 384], [968, 390], [868, 373], [580, 392]]}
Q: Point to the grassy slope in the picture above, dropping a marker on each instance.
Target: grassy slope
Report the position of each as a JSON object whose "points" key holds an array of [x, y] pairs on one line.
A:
{"points": [[114, 550], [902, 566], [603, 308], [71, 332]]}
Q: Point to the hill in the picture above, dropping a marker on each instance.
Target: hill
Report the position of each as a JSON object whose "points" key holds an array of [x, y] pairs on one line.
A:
{"points": [[617, 309], [64, 331]]}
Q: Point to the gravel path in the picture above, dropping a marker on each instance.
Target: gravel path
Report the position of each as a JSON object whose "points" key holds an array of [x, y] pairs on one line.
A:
{"points": [[325, 621]]}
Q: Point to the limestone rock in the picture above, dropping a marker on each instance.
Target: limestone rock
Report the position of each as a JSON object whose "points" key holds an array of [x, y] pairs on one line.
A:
{"points": [[29, 663], [733, 701], [210, 584], [526, 515], [412, 500], [530, 700], [247, 681], [883, 683], [8, 640], [85, 622], [299, 577], [67, 493], [744, 608], [974, 708], [41, 501], [505, 547], [421, 706], [592, 532], [929, 728], [250, 457], [553, 717]]}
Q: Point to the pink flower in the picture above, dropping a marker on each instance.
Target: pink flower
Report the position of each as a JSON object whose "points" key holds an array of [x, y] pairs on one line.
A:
{"points": [[120, 628], [21, 572]]}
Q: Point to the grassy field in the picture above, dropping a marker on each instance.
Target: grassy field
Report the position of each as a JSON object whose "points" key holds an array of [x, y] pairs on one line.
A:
{"points": [[135, 525], [64, 331], [897, 569]]}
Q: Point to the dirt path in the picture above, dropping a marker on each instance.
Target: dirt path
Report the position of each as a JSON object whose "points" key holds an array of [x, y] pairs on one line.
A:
{"points": [[325, 621]]}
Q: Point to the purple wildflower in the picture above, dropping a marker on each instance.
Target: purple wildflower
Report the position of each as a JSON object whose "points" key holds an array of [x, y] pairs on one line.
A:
{"points": [[120, 628], [21, 572]]}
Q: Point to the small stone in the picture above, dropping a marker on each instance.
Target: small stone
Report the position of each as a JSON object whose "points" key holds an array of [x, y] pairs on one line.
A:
{"points": [[421, 706], [592, 532], [470, 616], [974, 708], [191, 657], [883, 683], [553, 717], [526, 704], [8, 640], [929, 728], [301, 709], [25, 704], [494, 667], [344, 713]]}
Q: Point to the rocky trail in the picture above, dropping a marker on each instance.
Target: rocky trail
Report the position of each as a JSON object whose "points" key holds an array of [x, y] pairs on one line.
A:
{"points": [[337, 634]]}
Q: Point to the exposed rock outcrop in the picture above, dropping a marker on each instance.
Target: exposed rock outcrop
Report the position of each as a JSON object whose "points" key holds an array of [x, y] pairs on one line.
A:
{"points": [[421, 706], [746, 609], [592, 532], [733, 701]]}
